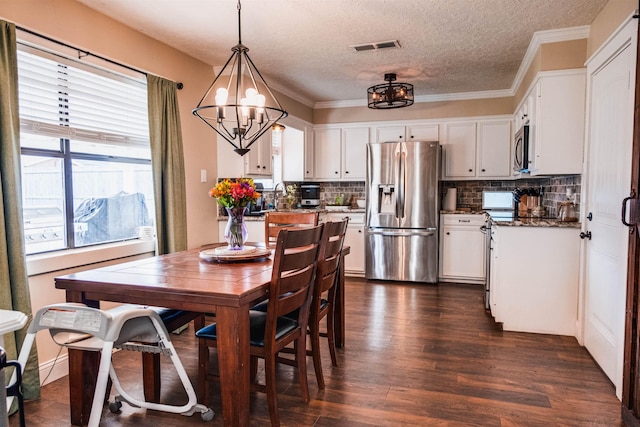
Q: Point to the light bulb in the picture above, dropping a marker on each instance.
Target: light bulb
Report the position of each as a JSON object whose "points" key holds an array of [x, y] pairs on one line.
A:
{"points": [[221, 96], [260, 100], [251, 94]]}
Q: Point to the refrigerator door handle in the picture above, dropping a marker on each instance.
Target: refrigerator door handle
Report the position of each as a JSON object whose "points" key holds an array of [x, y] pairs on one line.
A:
{"points": [[401, 183], [402, 233]]}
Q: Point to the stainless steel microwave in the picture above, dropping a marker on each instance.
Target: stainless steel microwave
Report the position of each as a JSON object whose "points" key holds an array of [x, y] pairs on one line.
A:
{"points": [[521, 150]]}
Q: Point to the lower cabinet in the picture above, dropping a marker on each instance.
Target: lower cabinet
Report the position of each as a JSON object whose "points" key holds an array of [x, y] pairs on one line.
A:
{"points": [[354, 262], [462, 248], [534, 279]]}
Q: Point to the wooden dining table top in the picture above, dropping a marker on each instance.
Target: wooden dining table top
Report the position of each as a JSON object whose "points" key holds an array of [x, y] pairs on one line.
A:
{"points": [[180, 280]]}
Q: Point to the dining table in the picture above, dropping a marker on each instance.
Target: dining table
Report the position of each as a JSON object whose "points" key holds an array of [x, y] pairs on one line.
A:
{"points": [[183, 281]]}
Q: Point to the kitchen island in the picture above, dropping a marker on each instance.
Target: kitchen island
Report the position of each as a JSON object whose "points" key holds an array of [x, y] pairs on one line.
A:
{"points": [[534, 270]]}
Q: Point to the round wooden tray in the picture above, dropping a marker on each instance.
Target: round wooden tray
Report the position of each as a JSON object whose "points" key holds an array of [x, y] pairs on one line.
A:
{"points": [[229, 256]]}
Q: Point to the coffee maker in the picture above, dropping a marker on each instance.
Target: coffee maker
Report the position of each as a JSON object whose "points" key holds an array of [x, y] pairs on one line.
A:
{"points": [[310, 195], [259, 205]]}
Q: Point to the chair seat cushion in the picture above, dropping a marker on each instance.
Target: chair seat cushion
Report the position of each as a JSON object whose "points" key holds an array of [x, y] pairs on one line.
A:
{"points": [[258, 320]]}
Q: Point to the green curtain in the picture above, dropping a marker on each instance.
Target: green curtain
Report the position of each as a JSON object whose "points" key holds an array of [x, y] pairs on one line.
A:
{"points": [[14, 282], [167, 161]]}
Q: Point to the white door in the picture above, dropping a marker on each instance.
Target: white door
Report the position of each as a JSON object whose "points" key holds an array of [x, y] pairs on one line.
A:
{"points": [[608, 182]]}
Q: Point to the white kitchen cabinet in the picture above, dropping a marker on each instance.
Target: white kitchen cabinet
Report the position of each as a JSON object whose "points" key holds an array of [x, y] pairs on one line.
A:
{"points": [[354, 262], [258, 161], [296, 154], [462, 248], [493, 157], [534, 279], [477, 149], [354, 153], [555, 108], [426, 132], [340, 153], [326, 153], [459, 150]]}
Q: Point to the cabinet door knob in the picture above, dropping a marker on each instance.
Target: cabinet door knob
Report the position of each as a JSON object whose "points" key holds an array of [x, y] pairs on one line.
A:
{"points": [[483, 170], [470, 170], [346, 171], [448, 233], [336, 172]]}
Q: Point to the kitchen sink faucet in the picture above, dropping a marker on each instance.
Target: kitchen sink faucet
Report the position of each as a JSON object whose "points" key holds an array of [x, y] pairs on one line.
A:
{"points": [[275, 194]]}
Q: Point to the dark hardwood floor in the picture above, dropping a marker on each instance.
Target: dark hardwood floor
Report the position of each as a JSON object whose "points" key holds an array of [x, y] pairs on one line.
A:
{"points": [[415, 355]]}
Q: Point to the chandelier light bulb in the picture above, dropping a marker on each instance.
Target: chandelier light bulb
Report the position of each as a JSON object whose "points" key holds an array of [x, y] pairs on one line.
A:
{"points": [[221, 96]]}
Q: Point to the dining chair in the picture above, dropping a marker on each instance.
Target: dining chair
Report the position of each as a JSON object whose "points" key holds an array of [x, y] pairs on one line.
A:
{"points": [[323, 303], [274, 221], [290, 289]]}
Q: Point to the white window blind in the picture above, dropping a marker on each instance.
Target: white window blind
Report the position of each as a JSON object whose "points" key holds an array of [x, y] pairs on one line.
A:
{"points": [[60, 99]]}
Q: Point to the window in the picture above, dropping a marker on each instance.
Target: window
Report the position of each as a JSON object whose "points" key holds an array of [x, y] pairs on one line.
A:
{"points": [[86, 159]]}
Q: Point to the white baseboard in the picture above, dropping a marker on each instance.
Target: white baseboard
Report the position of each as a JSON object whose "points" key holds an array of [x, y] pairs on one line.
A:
{"points": [[55, 369]]}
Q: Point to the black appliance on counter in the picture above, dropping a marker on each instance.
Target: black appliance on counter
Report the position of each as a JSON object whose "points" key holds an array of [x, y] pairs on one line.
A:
{"points": [[257, 208], [310, 195]]}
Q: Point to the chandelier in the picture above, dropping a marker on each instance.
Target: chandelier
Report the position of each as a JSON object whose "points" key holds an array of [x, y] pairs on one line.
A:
{"points": [[390, 95], [239, 105]]}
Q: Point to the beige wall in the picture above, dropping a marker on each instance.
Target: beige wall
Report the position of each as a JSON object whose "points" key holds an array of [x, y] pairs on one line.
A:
{"points": [[420, 110], [607, 21], [552, 56], [71, 22]]}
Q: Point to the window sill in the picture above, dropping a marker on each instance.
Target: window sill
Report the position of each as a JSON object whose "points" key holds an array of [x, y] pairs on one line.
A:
{"points": [[63, 260]]}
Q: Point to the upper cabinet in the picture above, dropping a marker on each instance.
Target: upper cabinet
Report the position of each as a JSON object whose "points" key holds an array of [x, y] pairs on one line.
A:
{"points": [[427, 132], [477, 149], [340, 153], [326, 153], [258, 161], [354, 153], [555, 110], [296, 154]]}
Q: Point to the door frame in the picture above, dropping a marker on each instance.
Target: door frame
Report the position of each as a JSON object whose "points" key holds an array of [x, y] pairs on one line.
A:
{"points": [[631, 365]]}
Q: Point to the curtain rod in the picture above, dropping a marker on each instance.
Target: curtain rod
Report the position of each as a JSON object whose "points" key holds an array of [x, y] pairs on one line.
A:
{"points": [[87, 53]]}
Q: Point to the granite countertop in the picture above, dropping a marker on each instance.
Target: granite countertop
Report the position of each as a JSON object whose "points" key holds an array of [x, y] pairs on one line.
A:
{"points": [[462, 212], [537, 222], [346, 209], [521, 222]]}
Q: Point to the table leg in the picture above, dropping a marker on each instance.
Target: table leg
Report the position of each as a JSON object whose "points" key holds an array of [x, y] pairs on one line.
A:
{"points": [[233, 360], [83, 372], [339, 311]]}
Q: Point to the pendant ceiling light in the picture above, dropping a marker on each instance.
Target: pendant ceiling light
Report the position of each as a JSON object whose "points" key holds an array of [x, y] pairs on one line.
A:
{"points": [[390, 95], [239, 105]]}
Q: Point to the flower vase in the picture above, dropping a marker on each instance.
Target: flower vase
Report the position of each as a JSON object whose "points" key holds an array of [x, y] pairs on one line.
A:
{"points": [[236, 231]]}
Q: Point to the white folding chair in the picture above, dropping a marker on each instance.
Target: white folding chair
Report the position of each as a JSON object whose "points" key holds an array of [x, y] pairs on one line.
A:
{"points": [[127, 327]]}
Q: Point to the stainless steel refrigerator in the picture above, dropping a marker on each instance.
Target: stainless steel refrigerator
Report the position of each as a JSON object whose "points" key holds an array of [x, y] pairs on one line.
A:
{"points": [[401, 233]]}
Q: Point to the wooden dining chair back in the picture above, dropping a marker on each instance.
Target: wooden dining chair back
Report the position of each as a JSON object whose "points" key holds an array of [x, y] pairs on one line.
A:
{"points": [[323, 303], [291, 289], [275, 221]]}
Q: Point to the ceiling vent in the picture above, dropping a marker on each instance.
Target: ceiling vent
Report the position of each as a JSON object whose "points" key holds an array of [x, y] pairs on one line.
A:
{"points": [[378, 45]]}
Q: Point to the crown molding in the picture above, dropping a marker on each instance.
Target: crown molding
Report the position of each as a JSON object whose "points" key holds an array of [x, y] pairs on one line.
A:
{"points": [[542, 37]]}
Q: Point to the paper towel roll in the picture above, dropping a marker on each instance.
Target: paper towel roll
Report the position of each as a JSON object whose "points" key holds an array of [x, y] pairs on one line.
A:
{"points": [[450, 200]]}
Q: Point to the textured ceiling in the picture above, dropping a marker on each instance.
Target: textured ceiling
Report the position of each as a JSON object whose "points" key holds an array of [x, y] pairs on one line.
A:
{"points": [[447, 46]]}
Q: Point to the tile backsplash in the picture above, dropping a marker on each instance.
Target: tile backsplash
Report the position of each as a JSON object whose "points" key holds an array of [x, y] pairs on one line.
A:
{"points": [[554, 190], [469, 193]]}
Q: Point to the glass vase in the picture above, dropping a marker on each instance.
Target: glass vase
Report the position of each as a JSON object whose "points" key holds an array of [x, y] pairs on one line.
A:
{"points": [[235, 233]]}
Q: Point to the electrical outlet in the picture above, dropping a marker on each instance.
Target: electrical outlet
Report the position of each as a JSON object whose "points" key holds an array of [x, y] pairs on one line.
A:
{"points": [[203, 175]]}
